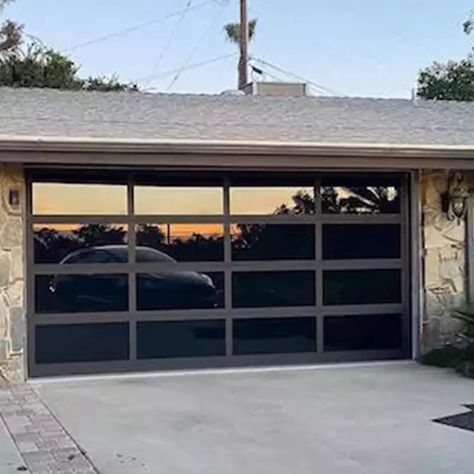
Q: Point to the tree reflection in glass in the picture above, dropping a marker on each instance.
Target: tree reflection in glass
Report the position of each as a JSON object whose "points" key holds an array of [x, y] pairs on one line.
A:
{"points": [[360, 199], [273, 242], [272, 200], [184, 242], [55, 242]]}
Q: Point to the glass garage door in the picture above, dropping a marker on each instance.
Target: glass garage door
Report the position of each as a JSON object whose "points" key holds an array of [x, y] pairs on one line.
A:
{"points": [[146, 270]]}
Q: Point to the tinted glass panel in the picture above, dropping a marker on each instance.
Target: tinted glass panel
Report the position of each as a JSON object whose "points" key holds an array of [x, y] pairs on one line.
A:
{"points": [[180, 290], [79, 199], [274, 336], [178, 200], [368, 332], [74, 243], [269, 289], [346, 195], [81, 293], [361, 241], [81, 343], [183, 242], [272, 242], [361, 287], [271, 200], [180, 339]]}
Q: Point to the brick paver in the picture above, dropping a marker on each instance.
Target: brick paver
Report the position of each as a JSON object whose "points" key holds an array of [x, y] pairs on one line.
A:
{"points": [[43, 443]]}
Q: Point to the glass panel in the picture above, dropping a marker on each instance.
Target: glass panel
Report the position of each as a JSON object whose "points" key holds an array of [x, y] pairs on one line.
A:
{"points": [[81, 343], [180, 290], [76, 243], [359, 195], [79, 199], [274, 336], [181, 242], [169, 200], [346, 241], [272, 242], [271, 200], [361, 287], [180, 339], [366, 332], [270, 289], [81, 293]]}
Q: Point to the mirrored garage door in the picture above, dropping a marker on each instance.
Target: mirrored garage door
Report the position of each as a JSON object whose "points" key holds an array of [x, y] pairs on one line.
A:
{"points": [[148, 270]]}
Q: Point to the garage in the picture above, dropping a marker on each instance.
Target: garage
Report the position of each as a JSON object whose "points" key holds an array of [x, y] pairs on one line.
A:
{"points": [[139, 269]]}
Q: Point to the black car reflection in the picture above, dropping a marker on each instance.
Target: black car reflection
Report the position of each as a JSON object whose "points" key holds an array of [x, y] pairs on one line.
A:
{"points": [[155, 291]]}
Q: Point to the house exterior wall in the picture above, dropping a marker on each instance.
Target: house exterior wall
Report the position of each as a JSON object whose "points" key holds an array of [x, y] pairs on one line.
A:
{"points": [[444, 264], [12, 274]]}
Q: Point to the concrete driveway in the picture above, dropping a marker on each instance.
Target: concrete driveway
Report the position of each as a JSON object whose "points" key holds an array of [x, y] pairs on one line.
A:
{"points": [[347, 419]]}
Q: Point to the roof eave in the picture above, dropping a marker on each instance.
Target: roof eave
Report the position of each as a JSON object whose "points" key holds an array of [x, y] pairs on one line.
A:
{"points": [[147, 146], [232, 154]]}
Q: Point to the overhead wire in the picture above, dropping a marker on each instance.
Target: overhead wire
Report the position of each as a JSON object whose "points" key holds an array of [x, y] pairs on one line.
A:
{"points": [[171, 36], [197, 46], [187, 68], [140, 26], [321, 88]]}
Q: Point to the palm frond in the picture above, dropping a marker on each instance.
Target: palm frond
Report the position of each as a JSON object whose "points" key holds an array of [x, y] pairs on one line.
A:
{"points": [[233, 31]]}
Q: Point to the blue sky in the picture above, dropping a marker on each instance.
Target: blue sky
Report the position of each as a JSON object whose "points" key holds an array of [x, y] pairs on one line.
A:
{"points": [[358, 48]]}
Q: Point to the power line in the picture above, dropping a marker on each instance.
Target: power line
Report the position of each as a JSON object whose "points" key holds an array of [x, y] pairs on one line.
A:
{"points": [[137, 27], [320, 87], [187, 68], [171, 36], [196, 47]]}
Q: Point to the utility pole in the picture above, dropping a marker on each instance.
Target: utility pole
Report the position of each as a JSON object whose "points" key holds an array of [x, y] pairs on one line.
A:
{"points": [[244, 45]]}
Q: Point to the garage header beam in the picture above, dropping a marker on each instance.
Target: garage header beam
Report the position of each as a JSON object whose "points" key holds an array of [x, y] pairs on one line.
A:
{"points": [[231, 154]]}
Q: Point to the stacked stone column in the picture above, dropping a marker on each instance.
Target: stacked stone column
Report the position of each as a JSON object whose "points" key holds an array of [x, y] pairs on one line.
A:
{"points": [[12, 271]]}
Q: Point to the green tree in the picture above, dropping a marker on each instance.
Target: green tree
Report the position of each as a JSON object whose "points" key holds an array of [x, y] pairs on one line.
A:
{"points": [[453, 80], [11, 33], [233, 31], [36, 65]]}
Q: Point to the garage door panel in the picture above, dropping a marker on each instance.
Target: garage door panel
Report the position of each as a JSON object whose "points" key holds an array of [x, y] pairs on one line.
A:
{"points": [[174, 339], [214, 270], [81, 343], [363, 332], [345, 287], [274, 335]]}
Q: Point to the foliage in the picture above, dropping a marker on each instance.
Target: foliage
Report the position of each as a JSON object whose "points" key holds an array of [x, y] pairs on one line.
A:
{"points": [[446, 357], [453, 80], [11, 37], [466, 314], [35, 65], [460, 358], [468, 25], [11, 34], [107, 84], [450, 81], [233, 31], [43, 67]]}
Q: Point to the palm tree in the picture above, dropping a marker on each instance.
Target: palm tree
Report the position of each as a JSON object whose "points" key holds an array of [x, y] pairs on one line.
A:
{"points": [[233, 31]]}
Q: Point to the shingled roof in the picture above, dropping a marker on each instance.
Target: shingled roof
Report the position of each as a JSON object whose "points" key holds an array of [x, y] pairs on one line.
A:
{"points": [[51, 113]]}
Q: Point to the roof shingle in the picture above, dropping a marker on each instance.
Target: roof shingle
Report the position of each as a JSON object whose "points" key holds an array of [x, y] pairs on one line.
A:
{"points": [[48, 113]]}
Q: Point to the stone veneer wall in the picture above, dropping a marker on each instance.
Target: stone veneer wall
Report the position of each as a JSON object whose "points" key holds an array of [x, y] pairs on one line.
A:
{"points": [[12, 288], [444, 264]]}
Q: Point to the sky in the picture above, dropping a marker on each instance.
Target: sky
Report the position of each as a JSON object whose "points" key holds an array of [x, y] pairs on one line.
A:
{"points": [[358, 48]]}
